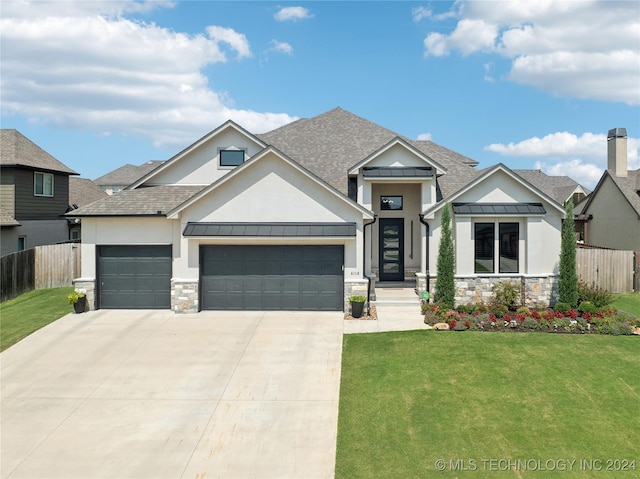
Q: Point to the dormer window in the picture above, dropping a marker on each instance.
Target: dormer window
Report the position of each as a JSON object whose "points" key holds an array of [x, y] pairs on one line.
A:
{"points": [[231, 158]]}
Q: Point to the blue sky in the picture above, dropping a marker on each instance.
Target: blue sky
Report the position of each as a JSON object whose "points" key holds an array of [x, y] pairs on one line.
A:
{"points": [[530, 84]]}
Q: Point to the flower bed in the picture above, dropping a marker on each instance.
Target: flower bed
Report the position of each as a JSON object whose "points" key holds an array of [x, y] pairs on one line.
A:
{"points": [[584, 320]]}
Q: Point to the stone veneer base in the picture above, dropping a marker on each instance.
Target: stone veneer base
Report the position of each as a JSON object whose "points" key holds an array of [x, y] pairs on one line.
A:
{"points": [[184, 296], [477, 289], [88, 287]]}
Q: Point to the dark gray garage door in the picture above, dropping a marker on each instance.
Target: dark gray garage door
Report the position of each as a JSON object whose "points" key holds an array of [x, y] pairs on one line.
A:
{"points": [[134, 277], [272, 277]]}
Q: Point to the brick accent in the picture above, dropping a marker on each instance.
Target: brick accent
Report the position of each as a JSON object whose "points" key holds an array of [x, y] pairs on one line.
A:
{"points": [[184, 296]]}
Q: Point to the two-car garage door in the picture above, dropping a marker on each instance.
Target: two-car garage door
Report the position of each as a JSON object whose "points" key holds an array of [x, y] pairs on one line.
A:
{"points": [[232, 277], [272, 277]]}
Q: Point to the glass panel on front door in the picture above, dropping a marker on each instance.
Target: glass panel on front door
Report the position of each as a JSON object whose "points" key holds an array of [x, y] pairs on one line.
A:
{"points": [[391, 249]]}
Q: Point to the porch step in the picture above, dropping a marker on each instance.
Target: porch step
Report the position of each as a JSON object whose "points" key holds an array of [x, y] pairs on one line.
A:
{"points": [[396, 297]]}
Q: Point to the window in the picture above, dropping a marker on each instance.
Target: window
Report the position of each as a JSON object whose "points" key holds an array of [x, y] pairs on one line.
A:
{"points": [[391, 202], [509, 236], [231, 157], [22, 243], [43, 184], [485, 247]]}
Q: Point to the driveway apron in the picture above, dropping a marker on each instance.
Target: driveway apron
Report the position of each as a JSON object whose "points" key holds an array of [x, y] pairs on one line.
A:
{"points": [[151, 394]]}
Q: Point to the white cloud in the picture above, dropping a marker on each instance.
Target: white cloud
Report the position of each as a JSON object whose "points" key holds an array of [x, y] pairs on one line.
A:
{"points": [[419, 13], [584, 49], [293, 14], [237, 41], [583, 158], [281, 47], [586, 174], [82, 65], [424, 137]]}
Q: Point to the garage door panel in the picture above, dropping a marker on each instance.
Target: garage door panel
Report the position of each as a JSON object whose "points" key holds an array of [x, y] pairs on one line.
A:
{"points": [[273, 277], [134, 277]]}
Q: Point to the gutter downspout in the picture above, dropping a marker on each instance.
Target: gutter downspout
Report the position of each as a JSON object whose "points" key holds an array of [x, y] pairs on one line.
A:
{"points": [[364, 258], [426, 249]]}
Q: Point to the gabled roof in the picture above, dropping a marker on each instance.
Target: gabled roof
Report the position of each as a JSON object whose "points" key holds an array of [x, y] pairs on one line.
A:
{"points": [[560, 188], [249, 164], [18, 150], [139, 202], [330, 144], [226, 125], [405, 144], [482, 176], [629, 188], [127, 174], [83, 191]]}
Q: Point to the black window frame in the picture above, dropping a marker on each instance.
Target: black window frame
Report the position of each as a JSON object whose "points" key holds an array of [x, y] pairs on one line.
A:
{"points": [[489, 247], [385, 206], [233, 164], [507, 247]]}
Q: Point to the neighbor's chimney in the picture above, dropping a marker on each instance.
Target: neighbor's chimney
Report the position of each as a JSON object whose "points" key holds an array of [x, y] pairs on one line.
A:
{"points": [[617, 151]]}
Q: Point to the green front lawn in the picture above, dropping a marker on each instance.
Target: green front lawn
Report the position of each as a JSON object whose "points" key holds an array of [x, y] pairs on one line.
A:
{"points": [[628, 302], [21, 316], [479, 400]]}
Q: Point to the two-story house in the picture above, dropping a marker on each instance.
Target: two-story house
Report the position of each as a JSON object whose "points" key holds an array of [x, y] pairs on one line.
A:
{"points": [[302, 217], [34, 192]]}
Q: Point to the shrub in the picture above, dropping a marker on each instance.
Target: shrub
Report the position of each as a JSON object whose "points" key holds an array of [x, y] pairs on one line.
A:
{"points": [[465, 308], [597, 296], [498, 309], [562, 307], [507, 293], [587, 307], [445, 280], [530, 323], [357, 299], [480, 308], [568, 277], [523, 310]]}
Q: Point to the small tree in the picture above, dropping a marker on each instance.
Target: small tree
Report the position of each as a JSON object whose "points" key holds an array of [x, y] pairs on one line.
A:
{"points": [[445, 282], [568, 280]]}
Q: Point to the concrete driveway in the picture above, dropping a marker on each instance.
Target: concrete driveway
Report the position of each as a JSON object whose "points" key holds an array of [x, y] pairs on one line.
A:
{"points": [[150, 394]]}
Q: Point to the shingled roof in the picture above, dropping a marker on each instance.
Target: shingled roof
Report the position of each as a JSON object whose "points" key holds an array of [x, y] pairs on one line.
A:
{"points": [[127, 174], [18, 150], [560, 188], [139, 202], [83, 191], [329, 144]]}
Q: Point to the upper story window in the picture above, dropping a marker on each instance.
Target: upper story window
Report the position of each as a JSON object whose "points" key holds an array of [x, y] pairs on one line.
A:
{"points": [[42, 184], [231, 158], [391, 202]]}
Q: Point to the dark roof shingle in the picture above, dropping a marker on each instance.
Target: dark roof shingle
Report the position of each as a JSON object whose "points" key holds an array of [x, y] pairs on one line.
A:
{"points": [[18, 150]]}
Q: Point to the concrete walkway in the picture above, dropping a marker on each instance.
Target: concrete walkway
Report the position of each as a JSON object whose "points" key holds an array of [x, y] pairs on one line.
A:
{"points": [[398, 310], [150, 394]]}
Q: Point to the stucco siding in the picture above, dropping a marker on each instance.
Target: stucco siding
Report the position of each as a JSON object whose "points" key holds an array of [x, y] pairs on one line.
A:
{"points": [[201, 166], [615, 223]]}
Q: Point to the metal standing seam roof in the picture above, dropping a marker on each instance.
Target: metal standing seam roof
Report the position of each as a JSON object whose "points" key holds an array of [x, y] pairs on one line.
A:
{"points": [[398, 172], [271, 229], [498, 209]]}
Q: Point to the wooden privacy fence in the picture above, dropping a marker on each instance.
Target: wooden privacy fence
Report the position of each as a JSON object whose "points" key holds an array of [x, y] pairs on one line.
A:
{"points": [[609, 269], [47, 266]]}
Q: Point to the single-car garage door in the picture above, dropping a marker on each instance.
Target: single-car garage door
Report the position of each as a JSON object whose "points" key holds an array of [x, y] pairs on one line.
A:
{"points": [[134, 277], [272, 277]]}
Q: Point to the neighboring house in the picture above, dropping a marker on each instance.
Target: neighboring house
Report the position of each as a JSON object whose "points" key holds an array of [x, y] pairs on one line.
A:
{"points": [[308, 214], [34, 190], [611, 213], [82, 192], [122, 177]]}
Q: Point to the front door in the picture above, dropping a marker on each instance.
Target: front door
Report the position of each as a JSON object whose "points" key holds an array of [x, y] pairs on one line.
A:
{"points": [[391, 249]]}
